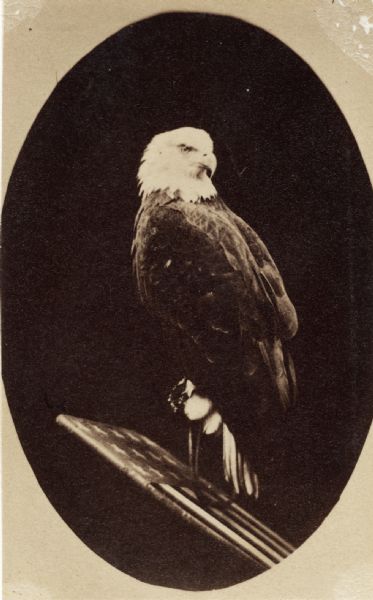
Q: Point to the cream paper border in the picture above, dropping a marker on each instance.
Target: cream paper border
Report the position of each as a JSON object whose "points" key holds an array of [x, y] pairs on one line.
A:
{"points": [[44, 560]]}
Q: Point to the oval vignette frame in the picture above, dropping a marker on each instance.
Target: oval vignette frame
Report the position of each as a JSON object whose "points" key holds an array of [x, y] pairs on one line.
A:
{"points": [[71, 318]]}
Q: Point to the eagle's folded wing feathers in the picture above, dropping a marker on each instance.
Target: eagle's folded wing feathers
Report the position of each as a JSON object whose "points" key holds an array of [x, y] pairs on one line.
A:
{"points": [[218, 286]]}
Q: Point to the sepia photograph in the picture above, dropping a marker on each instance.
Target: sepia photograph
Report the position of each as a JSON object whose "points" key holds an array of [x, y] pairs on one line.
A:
{"points": [[186, 299]]}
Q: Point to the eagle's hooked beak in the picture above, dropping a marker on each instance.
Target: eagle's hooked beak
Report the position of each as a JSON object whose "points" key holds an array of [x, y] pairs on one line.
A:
{"points": [[209, 163]]}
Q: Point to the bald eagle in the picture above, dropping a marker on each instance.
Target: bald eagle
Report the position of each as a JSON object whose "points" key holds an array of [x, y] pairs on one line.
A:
{"points": [[210, 280]]}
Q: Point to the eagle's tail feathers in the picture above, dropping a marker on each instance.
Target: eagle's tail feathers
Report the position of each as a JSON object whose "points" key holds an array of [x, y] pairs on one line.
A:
{"points": [[291, 376], [226, 462], [233, 460], [237, 470], [248, 480]]}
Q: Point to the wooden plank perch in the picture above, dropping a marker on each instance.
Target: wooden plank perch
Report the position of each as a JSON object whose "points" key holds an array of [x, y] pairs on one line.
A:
{"points": [[170, 481]]}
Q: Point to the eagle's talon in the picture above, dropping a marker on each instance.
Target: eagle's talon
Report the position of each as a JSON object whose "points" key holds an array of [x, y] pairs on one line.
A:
{"points": [[179, 394]]}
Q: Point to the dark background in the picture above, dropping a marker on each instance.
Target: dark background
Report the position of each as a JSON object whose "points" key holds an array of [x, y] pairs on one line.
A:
{"points": [[76, 339]]}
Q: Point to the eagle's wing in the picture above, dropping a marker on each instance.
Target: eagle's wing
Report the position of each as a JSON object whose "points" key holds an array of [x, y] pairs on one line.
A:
{"points": [[271, 279], [197, 272]]}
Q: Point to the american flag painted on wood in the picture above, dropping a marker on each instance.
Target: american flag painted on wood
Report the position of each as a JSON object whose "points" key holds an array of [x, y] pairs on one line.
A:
{"points": [[169, 480]]}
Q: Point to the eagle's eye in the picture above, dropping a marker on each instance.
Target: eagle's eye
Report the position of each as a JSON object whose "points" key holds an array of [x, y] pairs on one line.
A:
{"points": [[185, 148]]}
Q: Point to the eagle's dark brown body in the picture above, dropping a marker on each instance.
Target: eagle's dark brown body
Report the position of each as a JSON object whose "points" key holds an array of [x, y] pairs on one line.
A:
{"points": [[221, 300]]}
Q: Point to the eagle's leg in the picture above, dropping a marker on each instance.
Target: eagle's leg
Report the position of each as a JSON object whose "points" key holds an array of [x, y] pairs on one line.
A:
{"points": [[194, 443], [184, 399]]}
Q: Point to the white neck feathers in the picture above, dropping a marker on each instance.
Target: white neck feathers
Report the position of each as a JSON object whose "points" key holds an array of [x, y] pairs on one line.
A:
{"points": [[155, 176]]}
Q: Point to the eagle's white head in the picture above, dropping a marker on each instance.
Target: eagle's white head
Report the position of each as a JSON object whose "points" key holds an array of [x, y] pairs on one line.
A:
{"points": [[180, 162]]}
